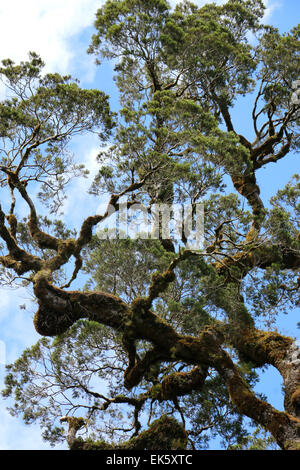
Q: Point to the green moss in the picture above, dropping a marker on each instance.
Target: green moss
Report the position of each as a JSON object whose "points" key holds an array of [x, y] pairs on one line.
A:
{"points": [[172, 352], [164, 434], [160, 283], [295, 398], [76, 423], [291, 445], [139, 305], [41, 275], [156, 392], [80, 444], [261, 347]]}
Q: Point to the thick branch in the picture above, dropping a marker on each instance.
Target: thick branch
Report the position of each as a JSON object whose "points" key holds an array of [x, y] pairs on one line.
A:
{"points": [[261, 347], [43, 239], [247, 186], [284, 427], [18, 259], [262, 256], [275, 157], [59, 309], [179, 384]]}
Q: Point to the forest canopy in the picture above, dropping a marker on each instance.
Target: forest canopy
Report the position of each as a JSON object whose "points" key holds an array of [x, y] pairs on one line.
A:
{"points": [[160, 345]]}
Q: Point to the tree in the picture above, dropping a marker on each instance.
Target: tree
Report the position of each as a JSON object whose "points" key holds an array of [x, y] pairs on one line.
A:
{"points": [[176, 335]]}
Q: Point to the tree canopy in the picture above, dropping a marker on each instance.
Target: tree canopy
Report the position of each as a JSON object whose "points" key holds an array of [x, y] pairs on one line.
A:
{"points": [[162, 346]]}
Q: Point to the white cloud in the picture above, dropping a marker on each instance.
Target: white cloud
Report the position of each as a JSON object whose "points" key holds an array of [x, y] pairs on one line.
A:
{"points": [[17, 331], [4, 299], [78, 199], [15, 436], [52, 28], [48, 27], [270, 7]]}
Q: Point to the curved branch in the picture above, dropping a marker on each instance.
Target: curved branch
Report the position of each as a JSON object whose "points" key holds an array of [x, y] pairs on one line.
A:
{"points": [[265, 347], [18, 259]]}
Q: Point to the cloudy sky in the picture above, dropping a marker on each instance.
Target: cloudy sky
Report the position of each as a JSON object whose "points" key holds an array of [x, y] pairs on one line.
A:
{"points": [[55, 29], [60, 31]]}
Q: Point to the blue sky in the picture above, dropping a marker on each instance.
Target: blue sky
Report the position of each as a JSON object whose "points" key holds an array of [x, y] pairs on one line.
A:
{"points": [[60, 31]]}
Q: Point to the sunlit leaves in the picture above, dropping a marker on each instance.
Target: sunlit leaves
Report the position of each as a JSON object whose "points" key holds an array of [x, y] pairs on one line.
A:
{"points": [[38, 119]]}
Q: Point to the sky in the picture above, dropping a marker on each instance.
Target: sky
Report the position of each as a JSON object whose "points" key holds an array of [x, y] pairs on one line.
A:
{"points": [[60, 31]]}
